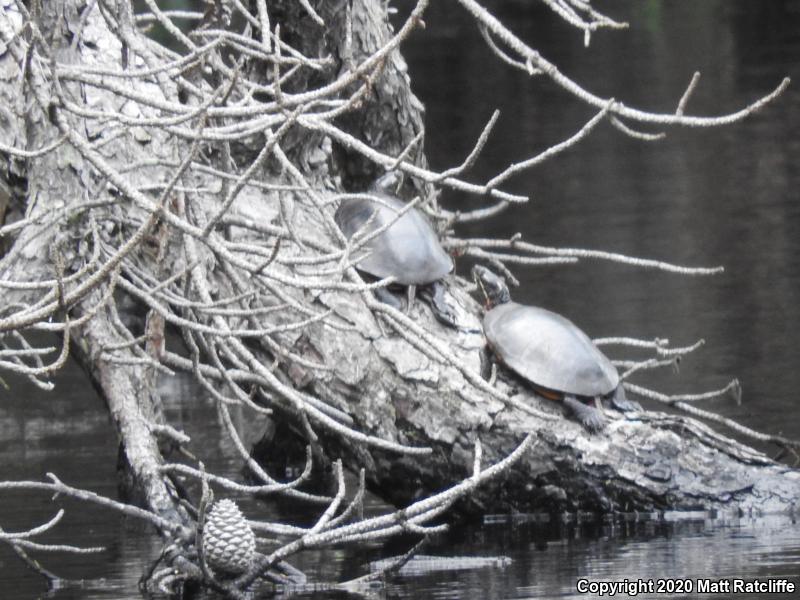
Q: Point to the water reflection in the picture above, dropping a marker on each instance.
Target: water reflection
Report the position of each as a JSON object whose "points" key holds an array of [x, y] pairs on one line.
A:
{"points": [[550, 559], [66, 432]]}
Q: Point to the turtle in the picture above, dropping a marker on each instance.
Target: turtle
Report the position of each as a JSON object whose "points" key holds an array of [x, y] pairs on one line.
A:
{"points": [[551, 353], [408, 250]]}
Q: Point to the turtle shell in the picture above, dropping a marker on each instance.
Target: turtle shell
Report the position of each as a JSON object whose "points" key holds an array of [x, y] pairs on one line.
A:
{"points": [[408, 250], [549, 350]]}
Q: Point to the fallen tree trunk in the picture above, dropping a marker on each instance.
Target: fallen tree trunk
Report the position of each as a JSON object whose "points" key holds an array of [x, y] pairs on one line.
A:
{"points": [[646, 461], [209, 202]]}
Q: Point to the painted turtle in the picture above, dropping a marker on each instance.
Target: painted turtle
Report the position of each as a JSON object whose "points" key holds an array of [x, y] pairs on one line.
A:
{"points": [[551, 353], [407, 250]]}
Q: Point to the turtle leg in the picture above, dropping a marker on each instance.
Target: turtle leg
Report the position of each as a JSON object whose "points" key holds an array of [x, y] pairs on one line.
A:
{"points": [[434, 293], [412, 293], [620, 401], [589, 416], [387, 297]]}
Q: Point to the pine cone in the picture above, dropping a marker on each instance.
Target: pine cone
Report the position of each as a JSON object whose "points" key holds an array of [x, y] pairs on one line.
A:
{"points": [[228, 542]]}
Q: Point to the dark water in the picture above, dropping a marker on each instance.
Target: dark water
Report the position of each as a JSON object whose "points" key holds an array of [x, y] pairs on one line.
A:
{"points": [[726, 196]]}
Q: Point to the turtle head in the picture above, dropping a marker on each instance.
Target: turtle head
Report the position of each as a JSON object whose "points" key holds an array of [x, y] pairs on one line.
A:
{"points": [[388, 182], [493, 286]]}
